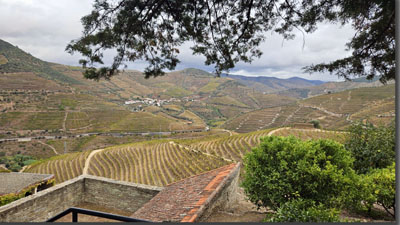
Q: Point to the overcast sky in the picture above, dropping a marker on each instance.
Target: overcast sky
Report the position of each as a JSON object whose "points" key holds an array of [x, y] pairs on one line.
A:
{"points": [[44, 27]]}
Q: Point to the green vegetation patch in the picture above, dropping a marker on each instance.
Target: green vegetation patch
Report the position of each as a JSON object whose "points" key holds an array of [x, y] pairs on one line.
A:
{"points": [[227, 100], [3, 60], [76, 120], [142, 122], [45, 121], [210, 87], [284, 168], [6, 118], [177, 92], [71, 103], [5, 199], [16, 162]]}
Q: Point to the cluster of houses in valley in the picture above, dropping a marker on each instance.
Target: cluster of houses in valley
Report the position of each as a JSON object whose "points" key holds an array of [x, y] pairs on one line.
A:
{"points": [[150, 101], [138, 103]]}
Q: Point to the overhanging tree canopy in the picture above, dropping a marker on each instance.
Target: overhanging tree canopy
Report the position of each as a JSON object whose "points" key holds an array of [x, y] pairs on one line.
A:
{"points": [[226, 32]]}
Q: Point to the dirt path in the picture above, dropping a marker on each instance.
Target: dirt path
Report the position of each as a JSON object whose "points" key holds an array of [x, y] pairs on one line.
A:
{"points": [[242, 122], [348, 99], [22, 170], [323, 110], [54, 150], [276, 130], [65, 120], [230, 133], [291, 115], [299, 129], [87, 162]]}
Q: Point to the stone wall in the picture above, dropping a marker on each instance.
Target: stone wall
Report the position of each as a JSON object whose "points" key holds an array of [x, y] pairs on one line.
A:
{"points": [[114, 194], [44, 204], [118, 194], [109, 193], [225, 195]]}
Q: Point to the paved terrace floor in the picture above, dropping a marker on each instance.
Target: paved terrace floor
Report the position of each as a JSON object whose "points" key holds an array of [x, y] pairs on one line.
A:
{"points": [[183, 201]]}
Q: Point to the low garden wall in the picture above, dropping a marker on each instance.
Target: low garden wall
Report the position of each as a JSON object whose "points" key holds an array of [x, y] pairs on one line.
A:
{"points": [[109, 193]]}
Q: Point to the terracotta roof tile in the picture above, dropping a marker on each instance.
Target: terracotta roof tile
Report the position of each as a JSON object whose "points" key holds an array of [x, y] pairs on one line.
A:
{"points": [[182, 200]]}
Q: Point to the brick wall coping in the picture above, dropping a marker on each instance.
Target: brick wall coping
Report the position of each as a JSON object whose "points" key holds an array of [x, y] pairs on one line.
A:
{"points": [[186, 200]]}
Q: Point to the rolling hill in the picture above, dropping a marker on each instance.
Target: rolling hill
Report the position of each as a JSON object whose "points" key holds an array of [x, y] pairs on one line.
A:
{"points": [[34, 92], [273, 84], [329, 87], [333, 111]]}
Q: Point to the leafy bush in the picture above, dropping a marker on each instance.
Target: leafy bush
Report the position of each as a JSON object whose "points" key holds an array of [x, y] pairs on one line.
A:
{"points": [[380, 186], [300, 210], [7, 198], [372, 147], [285, 168], [28, 162], [315, 123], [16, 162], [15, 167]]}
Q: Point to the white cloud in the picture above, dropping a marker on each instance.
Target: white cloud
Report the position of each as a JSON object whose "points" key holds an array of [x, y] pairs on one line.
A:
{"points": [[44, 28]]}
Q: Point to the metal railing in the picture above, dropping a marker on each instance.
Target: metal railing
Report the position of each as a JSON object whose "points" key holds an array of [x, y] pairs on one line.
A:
{"points": [[76, 211]]}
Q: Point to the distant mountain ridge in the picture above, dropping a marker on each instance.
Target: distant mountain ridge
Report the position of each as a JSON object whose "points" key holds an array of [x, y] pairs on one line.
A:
{"points": [[273, 84]]}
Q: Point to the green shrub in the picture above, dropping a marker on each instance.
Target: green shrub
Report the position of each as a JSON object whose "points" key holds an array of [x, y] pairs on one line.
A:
{"points": [[286, 168], [380, 188], [15, 167], [28, 162], [300, 210], [315, 123], [372, 147], [7, 198]]}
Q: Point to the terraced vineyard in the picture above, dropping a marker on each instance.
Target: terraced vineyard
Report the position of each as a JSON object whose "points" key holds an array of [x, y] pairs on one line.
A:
{"points": [[231, 148], [276, 117], [45, 121], [334, 111], [64, 167], [162, 162], [379, 112], [307, 134], [149, 163], [256, 120], [77, 120], [153, 164], [351, 101]]}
